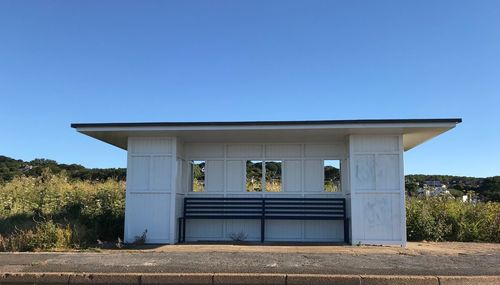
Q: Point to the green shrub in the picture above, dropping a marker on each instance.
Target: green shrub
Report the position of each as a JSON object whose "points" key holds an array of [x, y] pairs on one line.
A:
{"points": [[420, 221], [17, 241], [49, 235], [442, 219], [59, 212], [46, 235]]}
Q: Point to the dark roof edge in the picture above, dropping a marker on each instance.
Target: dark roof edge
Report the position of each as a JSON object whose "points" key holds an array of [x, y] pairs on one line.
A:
{"points": [[266, 123]]}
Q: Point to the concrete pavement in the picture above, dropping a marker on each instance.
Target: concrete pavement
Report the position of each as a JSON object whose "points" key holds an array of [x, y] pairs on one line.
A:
{"points": [[240, 278], [420, 263]]}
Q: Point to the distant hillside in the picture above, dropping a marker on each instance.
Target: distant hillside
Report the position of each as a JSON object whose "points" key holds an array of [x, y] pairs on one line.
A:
{"points": [[9, 168], [462, 183], [487, 188]]}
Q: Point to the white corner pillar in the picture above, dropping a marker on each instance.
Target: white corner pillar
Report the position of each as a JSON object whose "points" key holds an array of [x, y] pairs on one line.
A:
{"points": [[378, 214], [150, 194]]}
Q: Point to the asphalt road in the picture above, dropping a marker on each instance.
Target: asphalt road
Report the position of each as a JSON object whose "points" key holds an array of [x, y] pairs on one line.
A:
{"points": [[396, 262]]}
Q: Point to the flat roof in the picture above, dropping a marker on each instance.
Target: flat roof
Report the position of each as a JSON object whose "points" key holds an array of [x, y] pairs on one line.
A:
{"points": [[266, 123], [414, 131]]}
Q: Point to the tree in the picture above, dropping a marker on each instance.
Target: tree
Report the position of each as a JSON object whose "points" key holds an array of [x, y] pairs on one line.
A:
{"points": [[490, 189], [411, 188], [10, 168]]}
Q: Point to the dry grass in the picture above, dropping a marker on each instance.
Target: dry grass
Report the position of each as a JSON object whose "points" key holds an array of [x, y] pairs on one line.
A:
{"points": [[51, 211]]}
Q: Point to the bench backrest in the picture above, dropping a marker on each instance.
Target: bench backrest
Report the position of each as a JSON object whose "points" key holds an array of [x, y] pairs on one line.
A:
{"points": [[265, 208]]}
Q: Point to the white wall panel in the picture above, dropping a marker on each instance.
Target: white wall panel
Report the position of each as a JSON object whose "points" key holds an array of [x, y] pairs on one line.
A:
{"points": [[242, 194], [283, 230], [324, 230], [381, 216], [388, 175], [149, 145], [376, 143], [248, 228], [284, 195], [180, 149], [179, 201], [149, 212], [345, 178], [138, 173], [325, 150], [235, 176], [281, 151], [184, 176], [161, 167], [150, 180], [364, 166], [292, 176], [214, 178], [377, 190], [203, 150], [204, 230], [205, 194], [313, 175], [244, 151]]}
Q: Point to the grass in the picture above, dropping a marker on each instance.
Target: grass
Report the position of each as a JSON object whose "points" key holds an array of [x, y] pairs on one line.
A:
{"points": [[332, 186], [447, 219], [53, 212], [198, 185]]}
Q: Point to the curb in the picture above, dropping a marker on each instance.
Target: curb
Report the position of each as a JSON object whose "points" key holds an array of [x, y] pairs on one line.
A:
{"points": [[239, 278]]}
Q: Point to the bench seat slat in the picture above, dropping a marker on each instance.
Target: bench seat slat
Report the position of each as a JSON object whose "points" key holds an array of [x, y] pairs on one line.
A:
{"points": [[227, 206], [224, 212], [304, 208], [243, 217], [298, 212], [224, 203], [222, 198], [304, 203], [304, 218]]}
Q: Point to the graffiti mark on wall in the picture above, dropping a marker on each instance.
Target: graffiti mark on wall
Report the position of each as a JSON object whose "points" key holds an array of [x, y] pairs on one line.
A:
{"points": [[377, 213], [365, 172]]}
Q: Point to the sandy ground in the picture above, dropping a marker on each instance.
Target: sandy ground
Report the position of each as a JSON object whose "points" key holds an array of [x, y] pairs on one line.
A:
{"points": [[416, 259], [413, 248]]}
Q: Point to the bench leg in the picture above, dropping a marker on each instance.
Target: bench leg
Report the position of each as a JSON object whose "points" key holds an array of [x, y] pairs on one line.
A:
{"points": [[183, 229], [262, 229], [346, 230]]}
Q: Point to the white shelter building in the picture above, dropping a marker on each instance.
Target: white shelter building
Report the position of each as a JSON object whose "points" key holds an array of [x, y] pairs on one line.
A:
{"points": [[295, 181]]}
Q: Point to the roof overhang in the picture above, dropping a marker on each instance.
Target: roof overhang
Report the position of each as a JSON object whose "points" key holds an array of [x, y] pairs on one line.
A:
{"points": [[414, 131]]}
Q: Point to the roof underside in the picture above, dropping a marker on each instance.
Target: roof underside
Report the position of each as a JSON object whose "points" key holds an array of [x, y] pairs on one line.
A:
{"points": [[414, 131]]}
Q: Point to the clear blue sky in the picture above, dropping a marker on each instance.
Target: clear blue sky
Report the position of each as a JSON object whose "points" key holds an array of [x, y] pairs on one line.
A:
{"points": [[121, 61]]}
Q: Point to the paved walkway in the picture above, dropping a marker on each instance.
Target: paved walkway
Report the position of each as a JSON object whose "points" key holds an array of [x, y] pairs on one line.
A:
{"points": [[424, 259], [240, 279]]}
